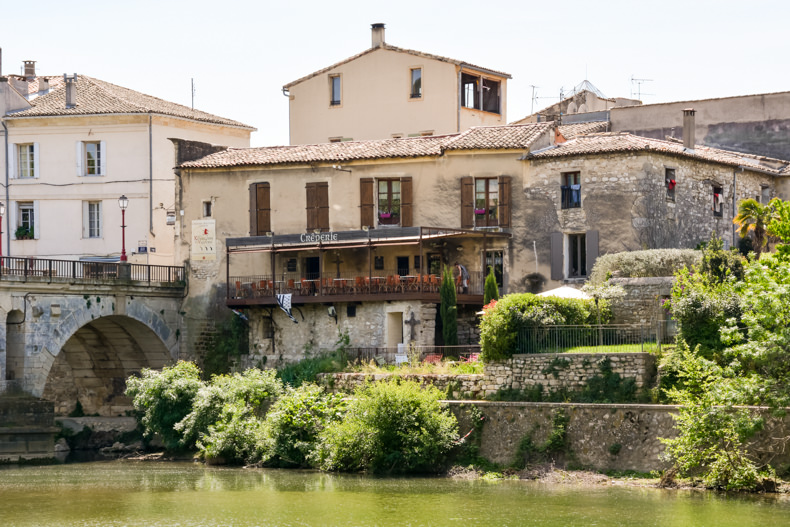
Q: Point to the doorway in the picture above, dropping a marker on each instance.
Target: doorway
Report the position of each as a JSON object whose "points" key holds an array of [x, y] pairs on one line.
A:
{"points": [[394, 329]]}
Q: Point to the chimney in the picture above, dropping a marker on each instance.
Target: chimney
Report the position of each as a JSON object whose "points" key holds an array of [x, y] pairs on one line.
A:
{"points": [[377, 35], [43, 84], [689, 128], [30, 70], [71, 90]]}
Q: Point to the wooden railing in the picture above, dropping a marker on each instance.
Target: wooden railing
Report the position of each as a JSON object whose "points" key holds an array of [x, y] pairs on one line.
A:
{"points": [[29, 267]]}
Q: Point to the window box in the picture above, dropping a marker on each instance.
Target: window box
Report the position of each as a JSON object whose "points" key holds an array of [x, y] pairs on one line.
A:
{"points": [[385, 215], [23, 233], [480, 211]]}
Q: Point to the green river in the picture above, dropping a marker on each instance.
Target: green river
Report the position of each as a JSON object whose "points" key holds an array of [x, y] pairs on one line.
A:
{"points": [[126, 493]]}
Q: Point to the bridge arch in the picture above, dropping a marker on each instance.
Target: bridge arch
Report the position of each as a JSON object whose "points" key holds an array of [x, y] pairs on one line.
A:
{"points": [[93, 363]]}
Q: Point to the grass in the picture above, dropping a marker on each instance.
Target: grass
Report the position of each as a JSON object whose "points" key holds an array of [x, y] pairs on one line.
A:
{"points": [[648, 347]]}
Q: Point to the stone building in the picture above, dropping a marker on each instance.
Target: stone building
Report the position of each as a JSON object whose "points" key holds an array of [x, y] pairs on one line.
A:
{"points": [[358, 232], [390, 92]]}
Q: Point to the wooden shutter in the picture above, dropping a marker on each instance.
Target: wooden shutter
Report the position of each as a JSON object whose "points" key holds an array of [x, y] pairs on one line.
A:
{"points": [[405, 202], [467, 202], [80, 155], [253, 210], [263, 208], [591, 242], [312, 218], [323, 205], [366, 202], [557, 239], [504, 202]]}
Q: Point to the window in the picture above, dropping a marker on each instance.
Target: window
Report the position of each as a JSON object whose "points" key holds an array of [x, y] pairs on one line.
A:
{"points": [[718, 201], [670, 183], [25, 220], [91, 219], [416, 83], [573, 255], [765, 194], [571, 190], [260, 211], [486, 202], [26, 159], [206, 209], [335, 139], [317, 206], [480, 93], [91, 158], [334, 89], [389, 201], [402, 264]]}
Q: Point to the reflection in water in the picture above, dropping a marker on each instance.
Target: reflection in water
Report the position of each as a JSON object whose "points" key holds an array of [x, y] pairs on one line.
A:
{"points": [[174, 494]]}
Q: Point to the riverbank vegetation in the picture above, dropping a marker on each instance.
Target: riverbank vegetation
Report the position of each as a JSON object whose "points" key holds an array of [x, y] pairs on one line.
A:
{"points": [[392, 427]]}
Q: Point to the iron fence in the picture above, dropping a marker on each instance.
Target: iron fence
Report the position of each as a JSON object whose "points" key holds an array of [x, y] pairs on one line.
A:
{"points": [[610, 338], [386, 355], [29, 267]]}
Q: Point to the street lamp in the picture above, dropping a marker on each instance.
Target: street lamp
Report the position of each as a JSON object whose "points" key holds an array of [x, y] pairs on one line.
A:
{"points": [[123, 202]]}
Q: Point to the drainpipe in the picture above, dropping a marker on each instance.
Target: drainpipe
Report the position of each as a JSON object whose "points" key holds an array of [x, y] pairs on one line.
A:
{"points": [[7, 203], [150, 177], [460, 98]]}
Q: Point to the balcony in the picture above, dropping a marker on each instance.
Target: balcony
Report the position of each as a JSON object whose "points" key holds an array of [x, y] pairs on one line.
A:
{"points": [[350, 266], [571, 197]]}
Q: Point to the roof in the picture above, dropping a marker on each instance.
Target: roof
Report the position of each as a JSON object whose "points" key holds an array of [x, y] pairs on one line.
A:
{"points": [[519, 137], [398, 50], [620, 142], [570, 131], [97, 97]]}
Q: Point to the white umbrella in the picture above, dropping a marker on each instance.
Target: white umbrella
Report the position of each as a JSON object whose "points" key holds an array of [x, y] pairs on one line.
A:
{"points": [[566, 291]]}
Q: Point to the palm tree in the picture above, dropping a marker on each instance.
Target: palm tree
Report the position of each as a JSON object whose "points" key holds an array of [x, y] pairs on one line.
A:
{"points": [[754, 217]]}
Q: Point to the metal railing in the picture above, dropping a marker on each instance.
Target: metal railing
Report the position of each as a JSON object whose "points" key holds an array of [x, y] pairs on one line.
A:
{"points": [[571, 197], [385, 281], [42, 268], [426, 353], [610, 338]]}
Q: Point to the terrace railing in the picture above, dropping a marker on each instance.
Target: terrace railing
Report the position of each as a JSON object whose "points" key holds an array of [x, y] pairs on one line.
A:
{"points": [[424, 353], [74, 270], [610, 338]]}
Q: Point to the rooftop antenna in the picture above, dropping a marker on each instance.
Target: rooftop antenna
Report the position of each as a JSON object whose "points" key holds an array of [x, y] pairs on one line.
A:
{"points": [[639, 83], [532, 107], [193, 93]]}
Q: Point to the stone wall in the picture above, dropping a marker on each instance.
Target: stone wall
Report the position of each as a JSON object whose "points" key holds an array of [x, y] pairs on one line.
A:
{"points": [[599, 436], [565, 371], [455, 386], [642, 302]]}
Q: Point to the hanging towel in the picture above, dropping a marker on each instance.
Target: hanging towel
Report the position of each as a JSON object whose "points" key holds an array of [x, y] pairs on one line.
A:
{"points": [[284, 301]]}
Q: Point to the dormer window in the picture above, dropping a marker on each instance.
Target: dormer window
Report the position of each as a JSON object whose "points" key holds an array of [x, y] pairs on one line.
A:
{"points": [[480, 93]]}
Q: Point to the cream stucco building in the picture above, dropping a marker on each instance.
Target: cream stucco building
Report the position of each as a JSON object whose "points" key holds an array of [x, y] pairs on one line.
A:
{"points": [[73, 145], [358, 232], [391, 92]]}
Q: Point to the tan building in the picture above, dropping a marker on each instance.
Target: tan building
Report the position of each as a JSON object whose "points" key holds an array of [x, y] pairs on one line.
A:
{"points": [[75, 144], [390, 92], [357, 232]]}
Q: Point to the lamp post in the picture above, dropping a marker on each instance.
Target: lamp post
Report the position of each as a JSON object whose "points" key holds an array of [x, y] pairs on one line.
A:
{"points": [[123, 202]]}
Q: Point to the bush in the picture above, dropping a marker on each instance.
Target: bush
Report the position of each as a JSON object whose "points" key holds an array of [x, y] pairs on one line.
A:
{"points": [[390, 427], [234, 438], [164, 398], [491, 290], [502, 322], [307, 369], [448, 309], [252, 389], [634, 264], [290, 430]]}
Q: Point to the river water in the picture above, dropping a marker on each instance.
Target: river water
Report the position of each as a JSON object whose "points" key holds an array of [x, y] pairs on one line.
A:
{"points": [[126, 493]]}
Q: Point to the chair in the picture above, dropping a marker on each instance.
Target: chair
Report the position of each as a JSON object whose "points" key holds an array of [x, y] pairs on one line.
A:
{"points": [[238, 290], [433, 358], [305, 286], [291, 285], [434, 283], [359, 284], [254, 289]]}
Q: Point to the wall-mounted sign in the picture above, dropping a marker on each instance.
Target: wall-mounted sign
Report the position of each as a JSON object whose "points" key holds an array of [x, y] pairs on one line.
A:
{"points": [[142, 246], [204, 240], [315, 237]]}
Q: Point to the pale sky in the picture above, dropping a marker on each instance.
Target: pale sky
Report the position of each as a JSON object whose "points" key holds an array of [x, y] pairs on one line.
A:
{"points": [[240, 53]]}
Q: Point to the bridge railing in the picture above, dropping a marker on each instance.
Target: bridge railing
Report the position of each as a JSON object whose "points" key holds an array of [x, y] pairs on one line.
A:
{"points": [[28, 267]]}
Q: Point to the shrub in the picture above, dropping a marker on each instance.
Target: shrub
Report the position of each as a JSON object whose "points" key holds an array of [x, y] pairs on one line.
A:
{"points": [[307, 369], [390, 427], [163, 398], [233, 439], [491, 290], [290, 430], [502, 322], [252, 389], [448, 309], [634, 264]]}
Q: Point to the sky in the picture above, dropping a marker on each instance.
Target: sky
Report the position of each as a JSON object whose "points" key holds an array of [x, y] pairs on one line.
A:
{"points": [[240, 53]]}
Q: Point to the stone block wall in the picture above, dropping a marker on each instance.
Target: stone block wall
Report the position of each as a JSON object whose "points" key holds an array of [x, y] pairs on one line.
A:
{"points": [[642, 302], [565, 371], [455, 386]]}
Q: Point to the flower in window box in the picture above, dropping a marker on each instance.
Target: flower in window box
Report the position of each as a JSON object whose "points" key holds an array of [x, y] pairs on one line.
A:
{"points": [[480, 211], [385, 215]]}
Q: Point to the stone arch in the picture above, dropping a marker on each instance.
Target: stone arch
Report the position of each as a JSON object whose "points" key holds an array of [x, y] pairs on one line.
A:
{"points": [[93, 363], [15, 346]]}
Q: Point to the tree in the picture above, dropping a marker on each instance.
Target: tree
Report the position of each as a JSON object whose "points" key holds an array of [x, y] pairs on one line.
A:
{"points": [[754, 218], [491, 291], [448, 309]]}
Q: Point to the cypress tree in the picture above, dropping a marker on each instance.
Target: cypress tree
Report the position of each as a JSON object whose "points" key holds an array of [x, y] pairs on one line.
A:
{"points": [[491, 291], [448, 309]]}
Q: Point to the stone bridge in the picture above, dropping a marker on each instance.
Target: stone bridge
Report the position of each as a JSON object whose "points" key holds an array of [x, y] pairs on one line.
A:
{"points": [[73, 333]]}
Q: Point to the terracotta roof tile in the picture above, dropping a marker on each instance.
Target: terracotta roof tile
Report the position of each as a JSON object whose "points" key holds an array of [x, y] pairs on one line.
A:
{"points": [[569, 131], [479, 138], [620, 142], [399, 50], [95, 97]]}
